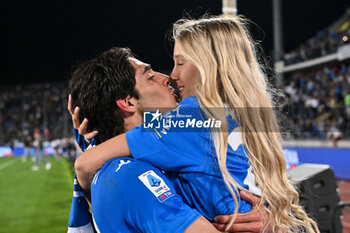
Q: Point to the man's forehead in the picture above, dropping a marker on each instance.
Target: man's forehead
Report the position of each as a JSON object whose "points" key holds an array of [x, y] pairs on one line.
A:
{"points": [[137, 62]]}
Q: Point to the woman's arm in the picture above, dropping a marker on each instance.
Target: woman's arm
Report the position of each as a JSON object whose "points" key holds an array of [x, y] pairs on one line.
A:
{"points": [[89, 162]]}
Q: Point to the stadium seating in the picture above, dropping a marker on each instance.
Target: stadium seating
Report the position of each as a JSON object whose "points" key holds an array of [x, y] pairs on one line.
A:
{"points": [[316, 83]]}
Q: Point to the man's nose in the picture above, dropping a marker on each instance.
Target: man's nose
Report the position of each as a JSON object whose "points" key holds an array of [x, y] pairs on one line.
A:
{"points": [[162, 79]]}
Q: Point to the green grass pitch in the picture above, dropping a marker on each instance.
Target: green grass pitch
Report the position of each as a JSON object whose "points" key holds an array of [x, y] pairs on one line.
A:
{"points": [[34, 201]]}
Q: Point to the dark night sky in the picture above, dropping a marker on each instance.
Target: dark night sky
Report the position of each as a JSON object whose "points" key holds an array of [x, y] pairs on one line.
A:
{"points": [[41, 40]]}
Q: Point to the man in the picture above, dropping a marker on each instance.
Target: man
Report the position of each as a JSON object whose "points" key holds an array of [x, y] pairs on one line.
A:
{"points": [[28, 147], [112, 92], [39, 154]]}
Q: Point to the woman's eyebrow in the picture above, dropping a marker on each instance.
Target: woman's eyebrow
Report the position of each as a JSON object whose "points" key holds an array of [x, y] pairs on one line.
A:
{"points": [[178, 56]]}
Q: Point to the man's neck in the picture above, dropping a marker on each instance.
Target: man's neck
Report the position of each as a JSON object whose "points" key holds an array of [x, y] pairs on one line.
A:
{"points": [[132, 121]]}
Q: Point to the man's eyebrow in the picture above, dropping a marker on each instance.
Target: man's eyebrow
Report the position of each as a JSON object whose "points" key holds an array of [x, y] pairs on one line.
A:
{"points": [[147, 68]]}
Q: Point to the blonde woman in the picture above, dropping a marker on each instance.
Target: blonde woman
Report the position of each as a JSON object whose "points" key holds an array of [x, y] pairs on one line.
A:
{"points": [[221, 81]]}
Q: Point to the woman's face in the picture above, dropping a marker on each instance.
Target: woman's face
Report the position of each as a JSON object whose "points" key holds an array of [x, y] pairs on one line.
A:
{"points": [[184, 73]]}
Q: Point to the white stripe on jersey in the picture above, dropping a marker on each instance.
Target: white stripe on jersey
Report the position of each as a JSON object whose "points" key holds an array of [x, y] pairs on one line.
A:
{"points": [[89, 147], [235, 140], [83, 229], [250, 181], [96, 227], [78, 194]]}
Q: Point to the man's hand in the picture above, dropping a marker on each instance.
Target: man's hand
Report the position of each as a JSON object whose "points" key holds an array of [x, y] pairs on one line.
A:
{"points": [[256, 220], [82, 128]]}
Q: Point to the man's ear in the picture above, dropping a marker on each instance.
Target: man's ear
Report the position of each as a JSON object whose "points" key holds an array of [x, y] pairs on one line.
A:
{"points": [[127, 104]]}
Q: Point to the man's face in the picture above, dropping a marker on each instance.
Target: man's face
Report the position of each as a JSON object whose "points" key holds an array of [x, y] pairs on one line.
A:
{"points": [[152, 88]]}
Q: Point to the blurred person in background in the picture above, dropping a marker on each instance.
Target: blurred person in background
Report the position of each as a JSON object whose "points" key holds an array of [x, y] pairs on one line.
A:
{"points": [[28, 147], [56, 147], [39, 154], [333, 132], [70, 149]]}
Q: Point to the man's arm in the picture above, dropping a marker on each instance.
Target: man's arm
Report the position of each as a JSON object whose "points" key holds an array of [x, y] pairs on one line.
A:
{"points": [[201, 225], [257, 220]]}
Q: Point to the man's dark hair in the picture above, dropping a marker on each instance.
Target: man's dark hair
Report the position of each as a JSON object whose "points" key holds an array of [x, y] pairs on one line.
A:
{"points": [[97, 84]]}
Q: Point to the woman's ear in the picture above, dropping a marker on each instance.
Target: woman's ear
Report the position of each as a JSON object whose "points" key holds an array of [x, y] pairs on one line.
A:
{"points": [[128, 104]]}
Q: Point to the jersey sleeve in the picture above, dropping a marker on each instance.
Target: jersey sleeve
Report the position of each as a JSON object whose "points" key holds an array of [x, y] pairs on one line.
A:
{"points": [[83, 144], [173, 148], [178, 152], [80, 139]]}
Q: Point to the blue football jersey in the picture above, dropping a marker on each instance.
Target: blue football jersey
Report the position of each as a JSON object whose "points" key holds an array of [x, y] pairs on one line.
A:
{"points": [[132, 196], [82, 143], [187, 155]]}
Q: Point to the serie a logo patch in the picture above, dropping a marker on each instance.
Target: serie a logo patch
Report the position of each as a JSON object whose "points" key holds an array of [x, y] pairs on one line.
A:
{"points": [[156, 185]]}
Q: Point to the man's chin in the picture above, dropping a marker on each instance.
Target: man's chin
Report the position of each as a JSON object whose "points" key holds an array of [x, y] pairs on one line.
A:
{"points": [[168, 107]]}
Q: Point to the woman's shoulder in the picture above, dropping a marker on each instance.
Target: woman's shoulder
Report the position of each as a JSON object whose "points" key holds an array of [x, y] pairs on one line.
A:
{"points": [[188, 108], [191, 106], [190, 101]]}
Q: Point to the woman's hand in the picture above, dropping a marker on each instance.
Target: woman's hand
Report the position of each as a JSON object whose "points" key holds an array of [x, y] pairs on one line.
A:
{"points": [[82, 128]]}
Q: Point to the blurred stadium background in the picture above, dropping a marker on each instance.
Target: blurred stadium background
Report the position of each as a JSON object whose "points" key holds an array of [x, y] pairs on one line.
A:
{"points": [[307, 44]]}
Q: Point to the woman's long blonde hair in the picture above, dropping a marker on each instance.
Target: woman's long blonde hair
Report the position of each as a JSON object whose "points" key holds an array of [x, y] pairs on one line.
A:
{"points": [[232, 78]]}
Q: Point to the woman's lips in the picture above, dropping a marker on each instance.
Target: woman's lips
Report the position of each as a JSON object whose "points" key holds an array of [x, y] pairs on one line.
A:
{"points": [[176, 90]]}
